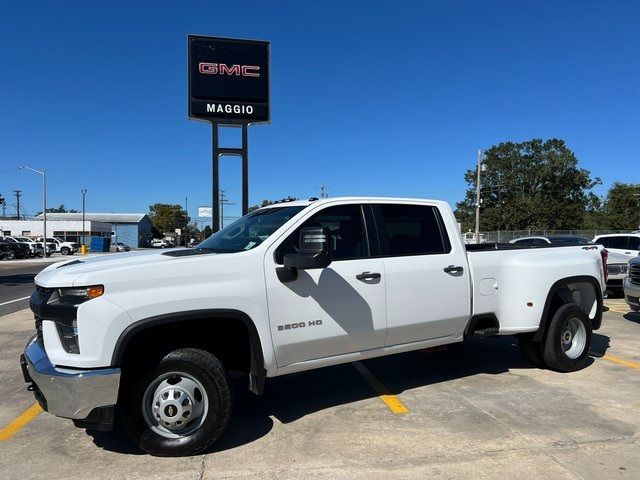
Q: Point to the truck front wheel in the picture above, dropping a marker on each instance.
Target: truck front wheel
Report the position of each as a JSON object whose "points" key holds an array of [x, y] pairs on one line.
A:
{"points": [[181, 407], [568, 340]]}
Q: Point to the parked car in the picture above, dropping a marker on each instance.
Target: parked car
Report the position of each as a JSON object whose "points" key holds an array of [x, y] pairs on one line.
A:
{"points": [[35, 249], [621, 243], [10, 249], [156, 243], [632, 285], [546, 240], [61, 246], [289, 288], [121, 247]]}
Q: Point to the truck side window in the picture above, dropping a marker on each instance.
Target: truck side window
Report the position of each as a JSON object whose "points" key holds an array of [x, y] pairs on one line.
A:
{"points": [[634, 243], [348, 238], [411, 230], [618, 242]]}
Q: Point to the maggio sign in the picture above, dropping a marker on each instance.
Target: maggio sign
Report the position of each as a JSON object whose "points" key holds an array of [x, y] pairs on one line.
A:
{"points": [[228, 80]]}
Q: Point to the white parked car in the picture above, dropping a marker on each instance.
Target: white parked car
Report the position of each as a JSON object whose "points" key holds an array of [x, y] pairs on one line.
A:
{"points": [[288, 288], [621, 243], [160, 243], [35, 248], [622, 247]]}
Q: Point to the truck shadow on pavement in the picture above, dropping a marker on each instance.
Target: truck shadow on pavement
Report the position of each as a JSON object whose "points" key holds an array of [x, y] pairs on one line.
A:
{"points": [[18, 279], [292, 397]]}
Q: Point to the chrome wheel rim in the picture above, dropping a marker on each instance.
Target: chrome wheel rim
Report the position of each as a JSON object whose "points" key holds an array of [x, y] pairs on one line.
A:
{"points": [[573, 337], [175, 405]]}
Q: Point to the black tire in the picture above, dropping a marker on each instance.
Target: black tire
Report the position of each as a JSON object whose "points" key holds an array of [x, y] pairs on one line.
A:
{"points": [[10, 255], [210, 373], [65, 250], [553, 346], [531, 350]]}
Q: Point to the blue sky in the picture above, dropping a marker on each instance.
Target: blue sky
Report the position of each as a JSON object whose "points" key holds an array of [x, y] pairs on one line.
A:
{"points": [[369, 98]]}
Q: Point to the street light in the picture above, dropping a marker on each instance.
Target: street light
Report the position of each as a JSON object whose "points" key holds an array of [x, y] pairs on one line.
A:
{"points": [[44, 204], [481, 168], [84, 193]]}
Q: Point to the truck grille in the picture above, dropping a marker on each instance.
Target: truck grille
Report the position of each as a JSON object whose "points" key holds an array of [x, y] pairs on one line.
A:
{"points": [[39, 336], [634, 273]]}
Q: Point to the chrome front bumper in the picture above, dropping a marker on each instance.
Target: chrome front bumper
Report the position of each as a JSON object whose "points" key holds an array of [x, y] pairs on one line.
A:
{"points": [[65, 392], [632, 293]]}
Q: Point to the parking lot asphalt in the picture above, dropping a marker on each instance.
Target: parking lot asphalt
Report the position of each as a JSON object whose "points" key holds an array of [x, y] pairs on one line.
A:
{"points": [[475, 410]]}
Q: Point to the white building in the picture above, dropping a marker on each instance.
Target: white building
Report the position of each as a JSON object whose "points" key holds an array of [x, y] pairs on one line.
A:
{"points": [[70, 230]]}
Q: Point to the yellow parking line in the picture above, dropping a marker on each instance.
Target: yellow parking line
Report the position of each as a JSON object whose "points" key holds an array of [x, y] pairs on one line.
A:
{"points": [[18, 424], [622, 361], [394, 404]]}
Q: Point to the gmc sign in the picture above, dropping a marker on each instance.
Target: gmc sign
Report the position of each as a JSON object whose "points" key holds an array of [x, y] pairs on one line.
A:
{"points": [[228, 80]]}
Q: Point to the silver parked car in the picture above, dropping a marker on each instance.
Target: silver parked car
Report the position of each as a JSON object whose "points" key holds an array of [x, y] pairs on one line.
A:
{"points": [[632, 285]]}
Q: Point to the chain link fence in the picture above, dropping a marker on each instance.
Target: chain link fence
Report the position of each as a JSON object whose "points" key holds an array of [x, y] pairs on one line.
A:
{"points": [[504, 236]]}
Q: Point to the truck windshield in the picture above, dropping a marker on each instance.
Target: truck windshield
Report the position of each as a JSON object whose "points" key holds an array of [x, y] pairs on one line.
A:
{"points": [[249, 231]]}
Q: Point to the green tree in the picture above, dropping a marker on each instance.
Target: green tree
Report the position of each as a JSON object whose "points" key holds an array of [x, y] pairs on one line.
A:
{"points": [[165, 218], [60, 209], [264, 203], [535, 184], [621, 209], [206, 232]]}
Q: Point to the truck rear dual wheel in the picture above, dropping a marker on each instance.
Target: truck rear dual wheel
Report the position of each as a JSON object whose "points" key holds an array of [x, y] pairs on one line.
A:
{"points": [[566, 344], [181, 407]]}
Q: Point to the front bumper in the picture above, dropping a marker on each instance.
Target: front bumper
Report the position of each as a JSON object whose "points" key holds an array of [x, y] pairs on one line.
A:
{"points": [[64, 392], [632, 293]]}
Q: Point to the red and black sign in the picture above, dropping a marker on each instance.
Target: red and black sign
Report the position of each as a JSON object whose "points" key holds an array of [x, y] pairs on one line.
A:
{"points": [[228, 80]]}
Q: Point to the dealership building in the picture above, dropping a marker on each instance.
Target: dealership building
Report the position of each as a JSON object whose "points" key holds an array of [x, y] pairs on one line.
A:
{"points": [[132, 229], [70, 230]]}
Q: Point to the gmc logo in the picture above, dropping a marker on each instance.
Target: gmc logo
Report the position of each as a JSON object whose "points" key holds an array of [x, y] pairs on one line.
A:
{"points": [[224, 69]]}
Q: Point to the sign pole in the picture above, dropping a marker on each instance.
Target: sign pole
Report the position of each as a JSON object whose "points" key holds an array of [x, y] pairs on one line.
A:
{"points": [[245, 169], [215, 200]]}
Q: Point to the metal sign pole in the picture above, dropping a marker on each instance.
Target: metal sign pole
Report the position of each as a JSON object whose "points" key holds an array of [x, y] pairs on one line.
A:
{"points": [[215, 203], [245, 169], [218, 151]]}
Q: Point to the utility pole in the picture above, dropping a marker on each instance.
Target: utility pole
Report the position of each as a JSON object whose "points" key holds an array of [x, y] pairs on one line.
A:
{"points": [[478, 198], [223, 201], [18, 193], [84, 194], [186, 227], [323, 193]]}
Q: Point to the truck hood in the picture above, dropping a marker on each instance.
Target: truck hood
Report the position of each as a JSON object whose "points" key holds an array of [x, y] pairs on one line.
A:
{"points": [[65, 274]]}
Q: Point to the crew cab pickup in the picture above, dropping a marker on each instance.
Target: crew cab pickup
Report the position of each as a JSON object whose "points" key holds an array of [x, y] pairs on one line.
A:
{"points": [[61, 246], [287, 288]]}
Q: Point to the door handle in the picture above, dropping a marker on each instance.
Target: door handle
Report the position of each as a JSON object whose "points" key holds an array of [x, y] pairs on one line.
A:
{"points": [[368, 276], [454, 270]]}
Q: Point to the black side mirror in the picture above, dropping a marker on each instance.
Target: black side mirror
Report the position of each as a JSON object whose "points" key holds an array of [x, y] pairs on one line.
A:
{"points": [[314, 252]]}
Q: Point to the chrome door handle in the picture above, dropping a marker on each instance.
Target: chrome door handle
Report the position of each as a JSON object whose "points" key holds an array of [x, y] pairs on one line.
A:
{"points": [[368, 276]]}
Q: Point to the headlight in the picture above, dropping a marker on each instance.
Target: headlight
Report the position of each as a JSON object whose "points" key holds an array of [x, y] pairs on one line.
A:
{"points": [[77, 294]]}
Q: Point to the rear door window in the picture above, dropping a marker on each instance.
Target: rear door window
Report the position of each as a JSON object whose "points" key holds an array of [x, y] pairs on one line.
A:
{"points": [[634, 243], [617, 242], [411, 230]]}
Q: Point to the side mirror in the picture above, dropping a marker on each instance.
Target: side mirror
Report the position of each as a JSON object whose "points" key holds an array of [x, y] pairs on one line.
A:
{"points": [[314, 252]]}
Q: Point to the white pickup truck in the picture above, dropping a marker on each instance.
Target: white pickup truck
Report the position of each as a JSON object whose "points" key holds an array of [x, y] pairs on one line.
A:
{"points": [[287, 288], [61, 246]]}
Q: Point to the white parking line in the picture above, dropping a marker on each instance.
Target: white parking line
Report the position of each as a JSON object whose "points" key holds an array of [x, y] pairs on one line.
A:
{"points": [[13, 301]]}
